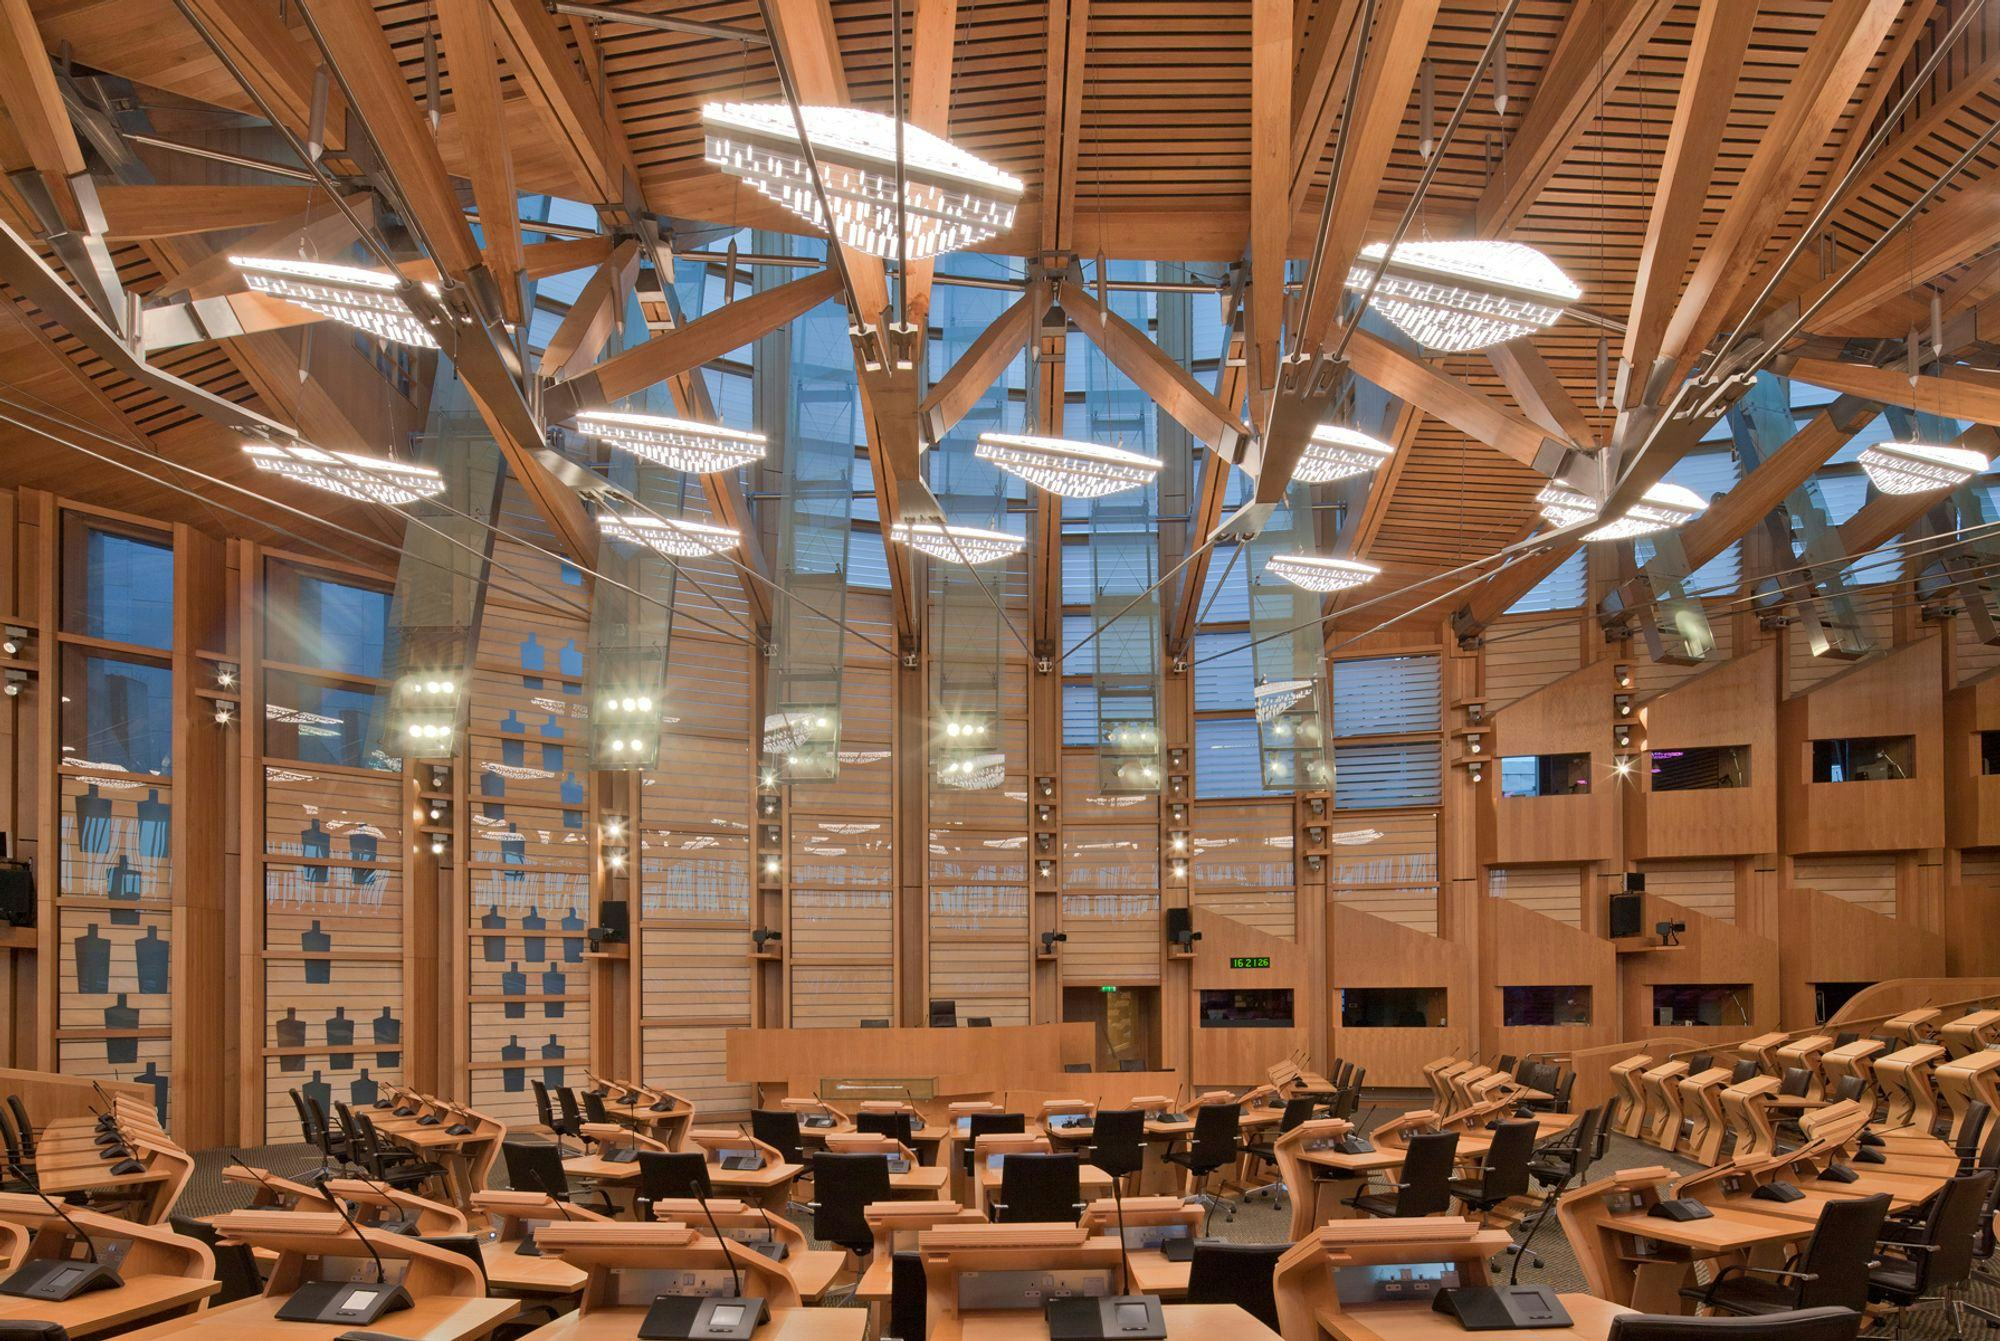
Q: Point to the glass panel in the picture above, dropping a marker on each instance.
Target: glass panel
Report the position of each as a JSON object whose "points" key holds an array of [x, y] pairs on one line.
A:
{"points": [[1685, 1004], [321, 723], [1544, 774], [1704, 768], [1864, 758], [1391, 1007], [331, 625], [1543, 1005], [118, 584], [1246, 1008], [117, 714]]}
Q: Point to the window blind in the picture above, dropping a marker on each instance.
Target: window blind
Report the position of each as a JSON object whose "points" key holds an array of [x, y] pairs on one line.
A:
{"points": [[1380, 696], [1377, 777]]}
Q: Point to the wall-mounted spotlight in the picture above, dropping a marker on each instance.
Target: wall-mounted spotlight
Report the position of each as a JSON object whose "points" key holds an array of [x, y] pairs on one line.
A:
{"points": [[1316, 804], [764, 936], [1180, 870], [1621, 736], [1622, 675], [1314, 861], [1670, 932], [223, 714], [1622, 703], [437, 845], [1051, 939], [615, 859], [225, 677], [772, 866], [1621, 766], [1046, 786], [1472, 743], [15, 640], [1177, 842], [1315, 834], [1046, 869], [1476, 773], [13, 683], [1044, 842]]}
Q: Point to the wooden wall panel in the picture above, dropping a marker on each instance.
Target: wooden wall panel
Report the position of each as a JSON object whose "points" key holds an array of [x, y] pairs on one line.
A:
{"points": [[1894, 694], [1393, 875], [1528, 653], [1828, 939], [1553, 892], [1368, 951], [1706, 886], [1520, 947], [1242, 865], [1241, 1056], [1807, 671], [1866, 881], [1711, 952], [1574, 715], [1731, 704]]}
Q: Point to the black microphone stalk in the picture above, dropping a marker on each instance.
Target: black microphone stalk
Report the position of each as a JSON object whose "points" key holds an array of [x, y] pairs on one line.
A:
{"points": [[74, 1228]]}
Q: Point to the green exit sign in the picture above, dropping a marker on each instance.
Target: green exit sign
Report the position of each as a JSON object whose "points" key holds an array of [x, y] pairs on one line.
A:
{"points": [[1249, 961]]}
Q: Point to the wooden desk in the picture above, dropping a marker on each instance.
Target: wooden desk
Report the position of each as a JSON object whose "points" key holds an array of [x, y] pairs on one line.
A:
{"points": [[1591, 1318], [1308, 1295], [142, 1299], [1185, 1322], [514, 1217], [66, 1161], [433, 1318], [621, 1323], [164, 1273]]}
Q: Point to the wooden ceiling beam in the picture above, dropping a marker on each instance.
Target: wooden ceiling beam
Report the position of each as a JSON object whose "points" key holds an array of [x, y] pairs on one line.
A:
{"points": [[596, 313], [1701, 114], [1465, 408], [1885, 516], [474, 61], [991, 352], [929, 108], [1600, 42], [688, 347], [1318, 87], [1172, 387], [1388, 73], [1540, 393], [1849, 36], [568, 106], [1953, 391], [1270, 190], [1211, 491], [1062, 117], [28, 91], [1945, 237], [144, 212], [274, 63]]}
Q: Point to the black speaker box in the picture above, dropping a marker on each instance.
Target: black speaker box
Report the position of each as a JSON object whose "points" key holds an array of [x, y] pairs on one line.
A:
{"points": [[1628, 913]]}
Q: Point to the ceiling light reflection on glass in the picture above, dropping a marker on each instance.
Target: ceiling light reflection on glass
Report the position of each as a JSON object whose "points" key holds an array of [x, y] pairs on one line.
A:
{"points": [[1455, 296], [364, 299], [957, 544], [1663, 507], [678, 444], [1317, 572], [1067, 467], [951, 199], [675, 536], [1920, 467], [1338, 453], [372, 479]]}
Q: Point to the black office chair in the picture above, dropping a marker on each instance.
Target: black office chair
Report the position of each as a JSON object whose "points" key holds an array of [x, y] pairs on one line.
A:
{"points": [[12, 1140], [909, 1298], [1700, 1062], [1847, 1088], [874, 1024], [531, 1318], [1795, 1083], [33, 1331], [1939, 1258], [559, 1126], [572, 1116], [335, 1147], [899, 1126], [25, 1128], [1118, 1141], [1425, 1188], [779, 1129], [1504, 1175], [1566, 1157], [1745, 1069], [1216, 1144], [844, 1188], [1265, 1151], [536, 1166], [306, 1129], [1832, 1272], [594, 1110], [1970, 1129], [1071, 1068], [1039, 1189], [1507, 1063], [235, 1264], [392, 1164], [680, 1175], [1812, 1324], [1236, 1273], [988, 1124]]}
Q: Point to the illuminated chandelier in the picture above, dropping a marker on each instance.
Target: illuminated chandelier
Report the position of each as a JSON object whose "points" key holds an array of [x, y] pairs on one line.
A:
{"points": [[1664, 507], [1275, 698], [1455, 296], [372, 479], [957, 544], [975, 772], [951, 199], [1337, 453], [364, 299], [669, 535], [678, 444], [1065, 466], [1317, 572], [1920, 467]]}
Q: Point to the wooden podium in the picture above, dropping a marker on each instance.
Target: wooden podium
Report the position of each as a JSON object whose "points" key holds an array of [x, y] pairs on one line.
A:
{"points": [[164, 1273]]}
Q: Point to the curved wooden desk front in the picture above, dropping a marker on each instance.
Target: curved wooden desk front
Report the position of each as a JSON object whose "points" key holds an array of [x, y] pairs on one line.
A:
{"points": [[1629, 1095], [1660, 1088], [1972, 1077], [1909, 1092], [1703, 1119], [514, 1217], [1972, 1032], [1152, 1273], [812, 1269], [164, 1274]]}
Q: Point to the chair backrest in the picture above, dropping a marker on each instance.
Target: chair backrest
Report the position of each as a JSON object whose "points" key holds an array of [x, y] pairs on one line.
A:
{"points": [[27, 1128], [1296, 1111], [1565, 1086], [1216, 1129], [465, 1245], [543, 1109], [1970, 1126], [843, 1188], [1506, 1063], [901, 1126], [1506, 1170], [593, 1107], [673, 1175], [1236, 1273], [1845, 1089], [1118, 1140], [989, 1124], [1427, 1164], [909, 1306], [979, 1022], [566, 1101], [1700, 1062], [1843, 1244], [1797, 1080], [12, 1140], [1844, 1037], [33, 1331], [1746, 1069], [235, 1264], [1807, 1324], [535, 1166], [325, 1129], [1949, 1231], [1589, 1142], [1040, 1189], [779, 1129], [306, 1127]]}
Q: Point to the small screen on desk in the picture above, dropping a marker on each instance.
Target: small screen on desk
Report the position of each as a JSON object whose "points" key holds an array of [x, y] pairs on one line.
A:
{"points": [[1417, 1281], [1138, 1238], [1064, 1121], [725, 1315], [964, 1125], [358, 1300]]}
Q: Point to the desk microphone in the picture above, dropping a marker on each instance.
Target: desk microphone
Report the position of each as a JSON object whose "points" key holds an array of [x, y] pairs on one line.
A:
{"points": [[1082, 1317], [347, 1301], [54, 1279], [680, 1317]]}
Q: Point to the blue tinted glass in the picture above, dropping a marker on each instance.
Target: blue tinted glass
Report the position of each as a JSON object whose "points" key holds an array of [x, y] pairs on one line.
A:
{"points": [[340, 627], [319, 723], [123, 719], [130, 589]]}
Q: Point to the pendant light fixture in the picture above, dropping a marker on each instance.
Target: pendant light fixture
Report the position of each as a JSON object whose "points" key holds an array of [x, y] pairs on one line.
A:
{"points": [[364, 299], [1337, 453], [951, 199], [957, 544], [372, 479], [678, 444], [1065, 466], [1458, 296], [1317, 572], [674, 536], [1920, 467], [1664, 507]]}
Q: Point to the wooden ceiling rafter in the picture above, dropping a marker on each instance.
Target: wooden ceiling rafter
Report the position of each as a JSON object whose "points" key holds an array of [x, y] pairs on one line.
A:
{"points": [[470, 49]]}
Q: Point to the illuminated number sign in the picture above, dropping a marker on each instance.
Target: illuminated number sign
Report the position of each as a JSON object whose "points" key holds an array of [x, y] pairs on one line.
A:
{"points": [[1249, 961]]}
